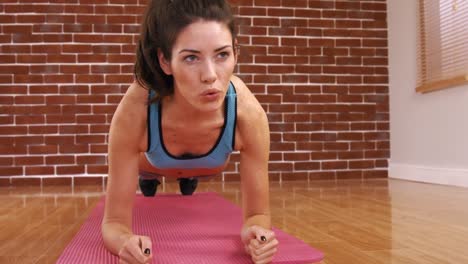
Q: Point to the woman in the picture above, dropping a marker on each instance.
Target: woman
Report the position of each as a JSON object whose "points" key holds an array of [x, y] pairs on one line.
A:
{"points": [[182, 118]]}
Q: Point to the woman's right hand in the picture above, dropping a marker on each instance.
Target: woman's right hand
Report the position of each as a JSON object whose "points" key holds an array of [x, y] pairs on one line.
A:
{"points": [[136, 250]]}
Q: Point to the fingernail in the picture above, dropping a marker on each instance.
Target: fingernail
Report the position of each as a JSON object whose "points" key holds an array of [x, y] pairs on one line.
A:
{"points": [[147, 251], [263, 238]]}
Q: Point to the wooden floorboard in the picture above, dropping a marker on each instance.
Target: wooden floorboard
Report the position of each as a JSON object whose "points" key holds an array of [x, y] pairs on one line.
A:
{"points": [[378, 221]]}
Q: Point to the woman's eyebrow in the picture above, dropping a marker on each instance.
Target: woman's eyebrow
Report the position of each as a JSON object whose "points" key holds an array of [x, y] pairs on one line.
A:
{"points": [[189, 50], [197, 51], [223, 47]]}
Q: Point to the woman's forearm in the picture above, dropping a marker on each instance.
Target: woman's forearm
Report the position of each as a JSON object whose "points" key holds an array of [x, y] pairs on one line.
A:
{"points": [[114, 236]]}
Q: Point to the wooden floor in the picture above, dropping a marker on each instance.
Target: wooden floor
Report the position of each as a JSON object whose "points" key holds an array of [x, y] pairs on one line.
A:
{"points": [[352, 222]]}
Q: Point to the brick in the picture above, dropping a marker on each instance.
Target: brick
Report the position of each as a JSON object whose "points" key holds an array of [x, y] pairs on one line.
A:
{"points": [[60, 78], [265, 40], [70, 148], [74, 89], [121, 78], [91, 159], [349, 155], [29, 140], [45, 149], [57, 140], [6, 161], [76, 109], [295, 60], [268, 79], [59, 38], [74, 69], [105, 69], [60, 18], [57, 181], [334, 165], [39, 170], [381, 164], [294, 42], [373, 154], [295, 78], [281, 31], [281, 50], [73, 129], [241, 2], [97, 169], [28, 160], [119, 38], [364, 164], [336, 146], [91, 119], [52, 58], [88, 180], [62, 159], [30, 119], [42, 129], [6, 120], [249, 30], [110, 28], [280, 12], [104, 109], [99, 148], [362, 145], [70, 170], [306, 166], [47, 28], [88, 139], [89, 99], [104, 89], [121, 19], [21, 181]]}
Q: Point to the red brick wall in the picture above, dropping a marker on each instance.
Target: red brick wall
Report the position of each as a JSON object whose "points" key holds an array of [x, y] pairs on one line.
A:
{"points": [[319, 68]]}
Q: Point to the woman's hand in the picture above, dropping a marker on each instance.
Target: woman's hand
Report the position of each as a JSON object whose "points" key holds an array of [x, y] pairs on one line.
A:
{"points": [[259, 243], [136, 250]]}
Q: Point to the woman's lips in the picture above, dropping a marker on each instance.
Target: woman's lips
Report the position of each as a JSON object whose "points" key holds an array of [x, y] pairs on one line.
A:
{"points": [[211, 94]]}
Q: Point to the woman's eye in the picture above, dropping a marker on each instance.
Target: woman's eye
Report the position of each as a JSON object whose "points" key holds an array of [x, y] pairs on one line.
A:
{"points": [[223, 55], [190, 58]]}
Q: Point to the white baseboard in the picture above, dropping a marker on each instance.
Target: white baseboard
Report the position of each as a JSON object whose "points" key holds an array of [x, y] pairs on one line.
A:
{"points": [[446, 176]]}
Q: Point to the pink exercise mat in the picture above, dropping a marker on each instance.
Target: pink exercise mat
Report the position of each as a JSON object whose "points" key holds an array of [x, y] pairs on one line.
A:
{"points": [[203, 228]]}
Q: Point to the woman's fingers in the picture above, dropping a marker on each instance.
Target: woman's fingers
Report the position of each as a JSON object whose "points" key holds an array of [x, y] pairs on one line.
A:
{"points": [[263, 245], [263, 256], [264, 248], [146, 246], [133, 250]]}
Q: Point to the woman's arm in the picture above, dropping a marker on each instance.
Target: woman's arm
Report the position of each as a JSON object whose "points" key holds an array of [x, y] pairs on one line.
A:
{"points": [[121, 187], [256, 234], [126, 132], [254, 170]]}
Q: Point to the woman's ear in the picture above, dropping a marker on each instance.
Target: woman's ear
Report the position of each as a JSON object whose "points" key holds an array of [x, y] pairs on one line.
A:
{"points": [[165, 65]]}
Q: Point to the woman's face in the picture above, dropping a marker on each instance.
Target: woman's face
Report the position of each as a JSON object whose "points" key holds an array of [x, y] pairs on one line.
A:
{"points": [[202, 63]]}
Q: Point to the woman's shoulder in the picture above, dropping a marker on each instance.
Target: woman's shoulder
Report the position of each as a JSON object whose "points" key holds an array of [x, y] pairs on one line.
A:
{"points": [[130, 116], [133, 102], [251, 117], [247, 104]]}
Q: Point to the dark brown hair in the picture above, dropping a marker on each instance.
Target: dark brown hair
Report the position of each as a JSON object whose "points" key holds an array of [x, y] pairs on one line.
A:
{"points": [[162, 23]]}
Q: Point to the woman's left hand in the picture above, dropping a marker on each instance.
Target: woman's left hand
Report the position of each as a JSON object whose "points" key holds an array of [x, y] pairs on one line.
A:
{"points": [[259, 243]]}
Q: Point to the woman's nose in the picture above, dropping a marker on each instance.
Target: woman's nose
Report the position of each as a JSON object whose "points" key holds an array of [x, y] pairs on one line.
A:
{"points": [[208, 74]]}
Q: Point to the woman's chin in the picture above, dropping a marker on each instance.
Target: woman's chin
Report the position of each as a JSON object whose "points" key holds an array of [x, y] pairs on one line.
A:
{"points": [[210, 106]]}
